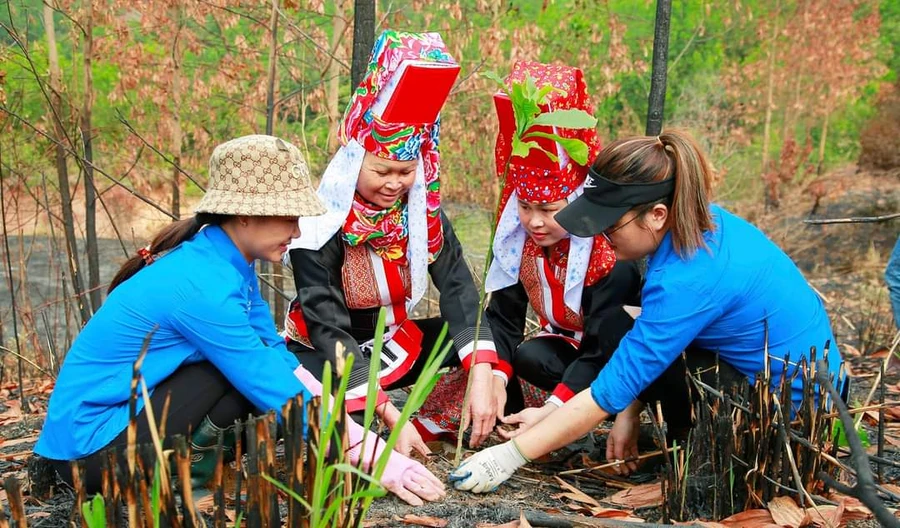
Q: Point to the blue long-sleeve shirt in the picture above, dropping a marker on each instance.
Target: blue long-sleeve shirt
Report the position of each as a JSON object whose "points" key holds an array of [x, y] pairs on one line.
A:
{"points": [[205, 299], [718, 300]]}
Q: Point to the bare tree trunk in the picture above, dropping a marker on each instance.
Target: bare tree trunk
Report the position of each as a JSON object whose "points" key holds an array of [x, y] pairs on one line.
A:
{"points": [[62, 172], [276, 299], [770, 88], [822, 141], [363, 39], [177, 133], [656, 101], [333, 75], [90, 191]]}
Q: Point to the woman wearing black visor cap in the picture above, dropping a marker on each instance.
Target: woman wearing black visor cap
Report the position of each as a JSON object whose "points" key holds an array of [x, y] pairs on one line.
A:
{"points": [[715, 285]]}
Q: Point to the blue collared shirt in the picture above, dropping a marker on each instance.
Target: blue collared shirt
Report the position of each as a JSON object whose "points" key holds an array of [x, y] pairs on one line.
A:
{"points": [[718, 300], [204, 298]]}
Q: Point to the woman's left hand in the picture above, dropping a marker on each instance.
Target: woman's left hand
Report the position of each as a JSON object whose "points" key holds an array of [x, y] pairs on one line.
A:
{"points": [[621, 444]]}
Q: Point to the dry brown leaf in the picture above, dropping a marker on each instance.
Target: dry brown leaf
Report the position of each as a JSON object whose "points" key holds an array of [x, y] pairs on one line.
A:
{"points": [[893, 488], [641, 496], [826, 515], [206, 504], [785, 512], [510, 524], [891, 439], [523, 522], [757, 518], [17, 441], [38, 515], [419, 520], [850, 351], [703, 524], [854, 510], [576, 494]]}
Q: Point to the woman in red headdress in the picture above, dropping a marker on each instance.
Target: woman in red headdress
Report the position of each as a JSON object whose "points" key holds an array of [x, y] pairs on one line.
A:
{"points": [[382, 238], [574, 285]]}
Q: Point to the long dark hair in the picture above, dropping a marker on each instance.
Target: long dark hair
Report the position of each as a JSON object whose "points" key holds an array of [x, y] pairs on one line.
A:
{"points": [[169, 237]]}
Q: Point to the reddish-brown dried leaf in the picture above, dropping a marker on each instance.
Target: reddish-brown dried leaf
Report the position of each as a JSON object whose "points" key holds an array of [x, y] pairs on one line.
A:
{"points": [[419, 520], [575, 493], [826, 515], [785, 512], [757, 518], [641, 496], [523, 522]]}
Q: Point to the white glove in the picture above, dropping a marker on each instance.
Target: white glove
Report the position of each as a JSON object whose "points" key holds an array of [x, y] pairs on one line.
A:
{"points": [[486, 470]]}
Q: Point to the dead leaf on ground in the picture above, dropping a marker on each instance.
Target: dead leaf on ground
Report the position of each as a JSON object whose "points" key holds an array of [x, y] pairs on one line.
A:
{"points": [[575, 493], [523, 522], [850, 351], [703, 524], [826, 515], [642, 496], [510, 524], [419, 520], [206, 504], [17, 441], [38, 515], [757, 518], [893, 488], [785, 512]]}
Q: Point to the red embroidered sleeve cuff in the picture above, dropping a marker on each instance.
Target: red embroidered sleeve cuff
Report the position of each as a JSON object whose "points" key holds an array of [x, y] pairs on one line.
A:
{"points": [[486, 354], [561, 394]]}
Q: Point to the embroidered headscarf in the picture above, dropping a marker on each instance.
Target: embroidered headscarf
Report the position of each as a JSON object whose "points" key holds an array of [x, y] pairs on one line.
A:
{"points": [[410, 231], [538, 179]]}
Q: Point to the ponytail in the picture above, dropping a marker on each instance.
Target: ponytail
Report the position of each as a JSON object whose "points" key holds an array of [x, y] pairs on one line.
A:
{"points": [[689, 215], [673, 154], [168, 238]]}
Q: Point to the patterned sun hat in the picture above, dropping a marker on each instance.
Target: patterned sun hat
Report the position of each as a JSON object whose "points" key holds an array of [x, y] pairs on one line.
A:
{"points": [[259, 176]]}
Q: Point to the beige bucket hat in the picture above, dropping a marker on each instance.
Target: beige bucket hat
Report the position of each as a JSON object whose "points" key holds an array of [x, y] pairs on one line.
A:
{"points": [[259, 176]]}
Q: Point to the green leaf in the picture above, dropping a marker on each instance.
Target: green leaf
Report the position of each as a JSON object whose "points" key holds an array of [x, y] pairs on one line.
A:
{"points": [[531, 90], [524, 109], [94, 512], [546, 90], [841, 433], [566, 119], [575, 148], [522, 148]]}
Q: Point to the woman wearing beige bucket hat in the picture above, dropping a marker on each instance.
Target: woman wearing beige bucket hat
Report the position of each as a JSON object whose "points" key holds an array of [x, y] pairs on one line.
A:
{"points": [[214, 350]]}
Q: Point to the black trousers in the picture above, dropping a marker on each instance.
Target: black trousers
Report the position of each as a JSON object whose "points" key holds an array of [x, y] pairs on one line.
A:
{"points": [[195, 391], [543, 361]]}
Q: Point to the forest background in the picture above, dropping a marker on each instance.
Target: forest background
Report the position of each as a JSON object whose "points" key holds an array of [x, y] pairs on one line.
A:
{"points": [[110, 109]]}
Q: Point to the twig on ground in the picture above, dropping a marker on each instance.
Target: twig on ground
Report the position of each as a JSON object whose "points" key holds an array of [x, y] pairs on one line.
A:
{"points": [[618, 462], [852, 219]]}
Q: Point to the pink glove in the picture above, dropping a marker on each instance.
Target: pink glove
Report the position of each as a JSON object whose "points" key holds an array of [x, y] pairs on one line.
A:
{"points": [[402, 476]]}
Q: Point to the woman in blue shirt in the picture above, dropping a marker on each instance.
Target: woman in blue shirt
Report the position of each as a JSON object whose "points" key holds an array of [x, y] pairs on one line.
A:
{"points": [[714, 283], [213, 351]]}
